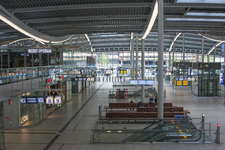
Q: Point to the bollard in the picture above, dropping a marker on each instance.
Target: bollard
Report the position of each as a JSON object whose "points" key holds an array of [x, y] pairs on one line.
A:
{"points": [[203, 121], [100, 111], [218, 134], [164, 93]]}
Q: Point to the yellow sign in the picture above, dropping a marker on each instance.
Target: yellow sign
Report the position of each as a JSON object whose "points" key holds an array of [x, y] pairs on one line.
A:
{"points": [[125, 72], [121, 72], [185, 83], [179, 82], [134, 72]]}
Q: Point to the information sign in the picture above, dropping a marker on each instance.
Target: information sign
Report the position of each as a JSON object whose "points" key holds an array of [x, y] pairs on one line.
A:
{"points": [[92, 79], [57, 100], [141, 82], [40, 99], [32, 100], [133, 82], [49, 100], [88, 79], [23, 100], [149, 82]]}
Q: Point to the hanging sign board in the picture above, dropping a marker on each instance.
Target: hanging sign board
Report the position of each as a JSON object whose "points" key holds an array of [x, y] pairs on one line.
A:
{"points": [[49, 100], [57, 100], [40, 99]]}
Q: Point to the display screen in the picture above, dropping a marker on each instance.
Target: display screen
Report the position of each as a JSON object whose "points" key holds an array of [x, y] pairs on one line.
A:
{"points": [[133, 82], [84, 79], [80, 79], [181, 79], [141, 82], [149, 82]]}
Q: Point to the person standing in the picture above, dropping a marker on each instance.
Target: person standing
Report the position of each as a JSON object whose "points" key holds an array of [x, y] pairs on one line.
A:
{"points": [[156, 99]]}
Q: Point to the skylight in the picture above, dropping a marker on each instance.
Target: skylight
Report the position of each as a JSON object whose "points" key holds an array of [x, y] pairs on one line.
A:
{"points": [[201, 1], [189, 19], [204, 14]]}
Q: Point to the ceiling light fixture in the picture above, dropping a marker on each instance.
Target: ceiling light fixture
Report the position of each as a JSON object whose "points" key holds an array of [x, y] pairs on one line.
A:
{"points": [[152, 21], [174, 41], [10, 23]]}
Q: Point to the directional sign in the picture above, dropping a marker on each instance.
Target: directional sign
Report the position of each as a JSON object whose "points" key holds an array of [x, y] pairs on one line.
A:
{"points": [[40, 100], [57, 99], [49, 100], [23, 100]]}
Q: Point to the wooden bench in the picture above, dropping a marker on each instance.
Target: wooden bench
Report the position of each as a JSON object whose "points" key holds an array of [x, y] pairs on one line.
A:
{"points": [[132, 105], [135, 114]]}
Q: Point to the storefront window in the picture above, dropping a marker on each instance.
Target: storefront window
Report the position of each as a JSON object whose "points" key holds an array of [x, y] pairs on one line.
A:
{"points": [[44, 59], [28, 60], [51, 59], [36, 59], [16, 58]]}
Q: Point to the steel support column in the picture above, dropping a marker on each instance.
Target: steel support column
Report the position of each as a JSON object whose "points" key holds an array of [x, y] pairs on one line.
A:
{"points": [[132, 54], [142, 67], [202, 49], [160, 59], [183, 46], [169, 60], [136, 57], [214, 54]]}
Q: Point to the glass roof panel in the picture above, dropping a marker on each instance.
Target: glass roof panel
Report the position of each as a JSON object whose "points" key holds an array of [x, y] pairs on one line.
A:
{"points": [[188, 19], [204, 14], [201, 1]]}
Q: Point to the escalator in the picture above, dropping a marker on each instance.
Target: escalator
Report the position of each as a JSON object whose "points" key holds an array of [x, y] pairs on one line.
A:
{"points": [[166, 131]]}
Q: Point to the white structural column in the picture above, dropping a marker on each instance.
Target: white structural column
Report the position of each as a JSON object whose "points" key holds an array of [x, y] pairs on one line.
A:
{"points": [[136, 57], [142, 67], [133, 77], [202, 49], [183, 46], [169, 60], [173, 55], [131, 53], [160, 59]]}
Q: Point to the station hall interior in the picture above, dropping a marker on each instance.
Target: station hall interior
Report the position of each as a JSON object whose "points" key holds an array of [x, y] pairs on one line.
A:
{"points": [[112, 74]]}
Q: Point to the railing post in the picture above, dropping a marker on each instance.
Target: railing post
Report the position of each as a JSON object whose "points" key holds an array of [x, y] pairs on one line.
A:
{"points": [[203, 121], [218, 134]]}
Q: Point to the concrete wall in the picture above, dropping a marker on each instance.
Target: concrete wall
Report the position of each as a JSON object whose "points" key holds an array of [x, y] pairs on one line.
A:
{"points": [[13, 91], [13, 112]]}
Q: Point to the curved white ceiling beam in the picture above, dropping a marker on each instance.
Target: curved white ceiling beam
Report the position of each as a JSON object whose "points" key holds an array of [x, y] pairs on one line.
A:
{"points": [[15, 23], [24, 39], [219, 39], [174, 41], [214, 47], [213, 37], [152, 21]]}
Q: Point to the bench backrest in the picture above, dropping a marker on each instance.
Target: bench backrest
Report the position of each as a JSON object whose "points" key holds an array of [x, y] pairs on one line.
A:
{"points": [[155, 109], [111, 105]]}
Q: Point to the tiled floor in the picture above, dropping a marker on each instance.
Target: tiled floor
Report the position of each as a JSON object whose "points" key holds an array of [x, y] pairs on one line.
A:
{"points": [[64, 131]]}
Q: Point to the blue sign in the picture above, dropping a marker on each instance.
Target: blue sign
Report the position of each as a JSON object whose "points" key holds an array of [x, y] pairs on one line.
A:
{"points": [[40, 100], [23, 100], [28, 100]]}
